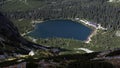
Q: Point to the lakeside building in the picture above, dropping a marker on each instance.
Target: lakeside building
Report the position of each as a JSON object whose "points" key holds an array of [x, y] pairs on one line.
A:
{"points": [[95, 25], [90, 23]]}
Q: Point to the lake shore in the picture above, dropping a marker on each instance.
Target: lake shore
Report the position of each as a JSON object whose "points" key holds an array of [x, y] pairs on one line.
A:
{"points": [[34, 22], [95, 26], [94, 32], [83, 21], [91, 35]]}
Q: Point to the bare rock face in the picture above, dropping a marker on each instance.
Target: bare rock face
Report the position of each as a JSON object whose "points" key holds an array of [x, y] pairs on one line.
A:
{"points": [[7, 29], [9, 34]]}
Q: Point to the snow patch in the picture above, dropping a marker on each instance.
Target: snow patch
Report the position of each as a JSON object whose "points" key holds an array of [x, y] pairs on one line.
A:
{"points": [[84, 49], [31, 53]]}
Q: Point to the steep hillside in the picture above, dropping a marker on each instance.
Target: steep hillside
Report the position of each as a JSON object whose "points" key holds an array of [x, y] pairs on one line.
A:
{"points": [[11, 40]]}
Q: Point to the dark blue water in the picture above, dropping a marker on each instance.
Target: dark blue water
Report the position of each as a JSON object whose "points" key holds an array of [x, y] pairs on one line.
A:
{"points": [[61, 29]]}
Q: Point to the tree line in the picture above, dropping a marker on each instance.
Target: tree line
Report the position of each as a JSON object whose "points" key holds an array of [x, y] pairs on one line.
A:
{"points": [[99, 11]]}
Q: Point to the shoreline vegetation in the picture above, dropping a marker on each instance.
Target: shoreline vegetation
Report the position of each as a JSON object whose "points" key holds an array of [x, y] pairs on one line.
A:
{"points": [[34, 22], [95, 26]]}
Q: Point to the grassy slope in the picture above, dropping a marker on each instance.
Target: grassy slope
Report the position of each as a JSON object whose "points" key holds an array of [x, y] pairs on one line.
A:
{"points": [[106, 40], [23, 25]]}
